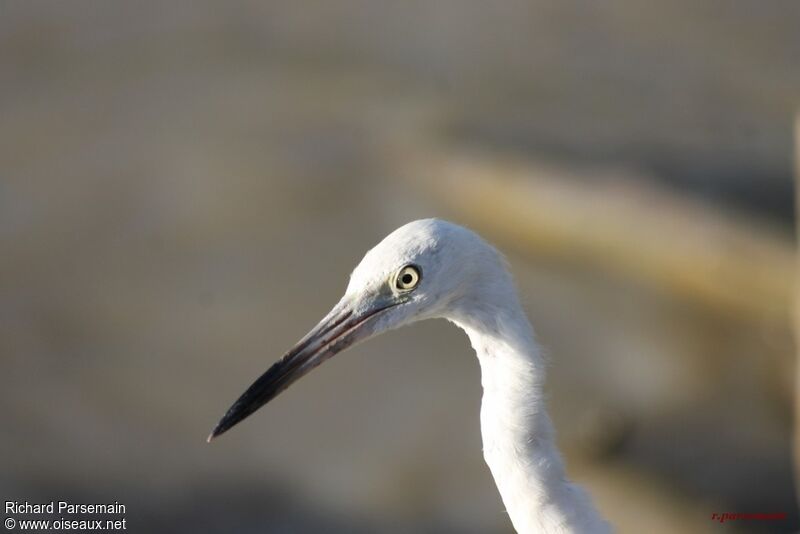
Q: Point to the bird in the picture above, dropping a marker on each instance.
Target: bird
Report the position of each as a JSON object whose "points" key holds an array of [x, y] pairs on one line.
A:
{"points": [[432, 268]]}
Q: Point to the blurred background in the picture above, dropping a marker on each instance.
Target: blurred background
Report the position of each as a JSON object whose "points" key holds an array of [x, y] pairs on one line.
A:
{"points": [[185, 187]]}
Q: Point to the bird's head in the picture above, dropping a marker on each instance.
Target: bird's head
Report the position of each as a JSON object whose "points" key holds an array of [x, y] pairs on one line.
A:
{"points": [[424, 269]]}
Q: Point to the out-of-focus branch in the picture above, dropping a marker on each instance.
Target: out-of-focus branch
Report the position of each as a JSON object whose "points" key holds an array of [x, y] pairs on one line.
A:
{"points": [[732, 262], [797, 313]]}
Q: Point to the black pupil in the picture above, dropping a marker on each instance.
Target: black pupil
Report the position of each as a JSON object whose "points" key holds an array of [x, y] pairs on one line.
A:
{"points": [[407, 278]]}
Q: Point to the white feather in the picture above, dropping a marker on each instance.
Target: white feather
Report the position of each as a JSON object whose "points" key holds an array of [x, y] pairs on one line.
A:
{"points": [[465, 280]]}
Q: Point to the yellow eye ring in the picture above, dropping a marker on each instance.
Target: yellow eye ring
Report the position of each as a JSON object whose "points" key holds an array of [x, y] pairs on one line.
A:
{"points": [[407, 278]]}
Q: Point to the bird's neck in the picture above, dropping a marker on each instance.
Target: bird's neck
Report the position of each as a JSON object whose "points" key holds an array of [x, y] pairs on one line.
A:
{"points": [[518, 437]]}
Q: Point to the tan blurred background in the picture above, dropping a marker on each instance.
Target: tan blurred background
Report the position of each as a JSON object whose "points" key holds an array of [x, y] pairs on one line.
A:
{"points": [[185, 186]]}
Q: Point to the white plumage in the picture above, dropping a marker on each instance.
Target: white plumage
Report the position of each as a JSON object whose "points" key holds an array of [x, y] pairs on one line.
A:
{"points": [[465, 280]]}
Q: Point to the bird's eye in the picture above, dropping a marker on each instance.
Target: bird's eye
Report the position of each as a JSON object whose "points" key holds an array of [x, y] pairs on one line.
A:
{"points": [[407, 278]]}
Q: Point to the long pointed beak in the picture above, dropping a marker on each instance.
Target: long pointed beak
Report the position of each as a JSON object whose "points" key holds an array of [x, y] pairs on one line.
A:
{"points": [[343, 327]]}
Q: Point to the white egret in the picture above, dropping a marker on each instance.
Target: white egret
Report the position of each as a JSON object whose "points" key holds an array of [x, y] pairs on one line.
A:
{"points": [[432, 268]]}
